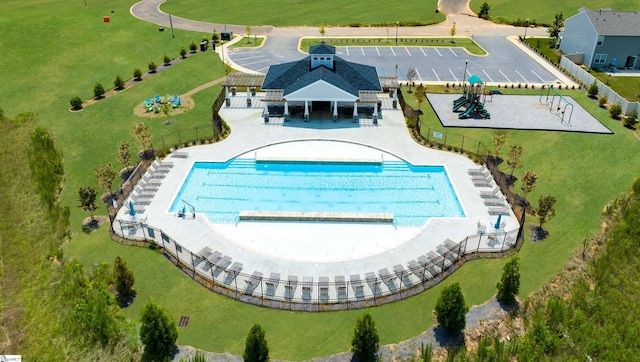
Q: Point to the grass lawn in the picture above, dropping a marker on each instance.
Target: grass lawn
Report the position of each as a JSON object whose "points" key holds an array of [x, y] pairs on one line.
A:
{"points": [[311, 13], [467, 43], [627, 87], [545, 47], [543, 11], [248, 42]]}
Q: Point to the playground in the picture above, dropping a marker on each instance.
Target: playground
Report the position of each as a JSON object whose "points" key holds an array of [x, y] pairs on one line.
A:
{"points": [[547, 111]]}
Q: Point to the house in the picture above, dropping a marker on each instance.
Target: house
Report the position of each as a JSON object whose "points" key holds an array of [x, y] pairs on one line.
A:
{"points": [[603, 38]]}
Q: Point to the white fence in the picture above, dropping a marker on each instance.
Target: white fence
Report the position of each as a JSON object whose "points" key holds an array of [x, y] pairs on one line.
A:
{"points": [[603, 89]]}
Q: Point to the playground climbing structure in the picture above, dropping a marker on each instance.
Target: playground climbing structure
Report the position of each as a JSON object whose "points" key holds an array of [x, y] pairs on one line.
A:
{"points": [[471, 104]]}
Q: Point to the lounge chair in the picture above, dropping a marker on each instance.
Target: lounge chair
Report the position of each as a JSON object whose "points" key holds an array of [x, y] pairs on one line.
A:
{"points": [[494, 202], [481, 229], [478, 171], [481, 178], [498, 210], [489, 194], [158, 99]]}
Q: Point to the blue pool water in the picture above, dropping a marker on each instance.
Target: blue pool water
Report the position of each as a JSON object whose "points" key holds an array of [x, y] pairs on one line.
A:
{"points": [[411, 193]]}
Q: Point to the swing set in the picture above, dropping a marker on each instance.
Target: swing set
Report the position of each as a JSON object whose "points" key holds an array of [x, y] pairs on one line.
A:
{"points": [[557, 103]]}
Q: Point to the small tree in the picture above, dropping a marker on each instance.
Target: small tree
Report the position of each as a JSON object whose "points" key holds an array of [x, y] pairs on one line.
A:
{"points": [[152, 67], [412, 74], [123, 278], [76, 103], [593, 89], [602, 101], [632, 119], [514, 158], [137, 74], [98, 91], [484, 11], [615, 110], [256, 348], [87, 197], [158, 332], [528, 179], [451, 309], [249, 32], [556, 27], [453, 31], [105, 175], [509, 284], [500, 137], [546, 209], [118, 83], [124, 154], [166, 60], [322, 31], [141, 132], [420, 94], [193, 46], [365, 341], [215, 37], [183, 53]]}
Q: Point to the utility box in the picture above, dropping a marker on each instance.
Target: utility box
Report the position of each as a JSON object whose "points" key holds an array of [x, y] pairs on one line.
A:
{"points": [[203, 45], [226, 35]]}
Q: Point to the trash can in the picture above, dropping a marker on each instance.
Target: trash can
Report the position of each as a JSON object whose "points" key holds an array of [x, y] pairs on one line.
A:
{"points": [[106, 19], [203, 45]]}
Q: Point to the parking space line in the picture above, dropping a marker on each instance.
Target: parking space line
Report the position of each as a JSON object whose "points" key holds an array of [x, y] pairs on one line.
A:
{"points": [[407, 49], [525, 79], [394, 53], [378, 51], [485, 73], [454, 76], [243, 58], [347, 48], [422, 50], [259, 61], [507, 78], [452, 52], [263, 70], [437, 51], [434, 72], [539, 77], [418, 73], [362, 49]]}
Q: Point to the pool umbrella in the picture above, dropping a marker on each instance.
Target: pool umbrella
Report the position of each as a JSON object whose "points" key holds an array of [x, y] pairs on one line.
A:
{"points": [[497, 225], [132, 211]]}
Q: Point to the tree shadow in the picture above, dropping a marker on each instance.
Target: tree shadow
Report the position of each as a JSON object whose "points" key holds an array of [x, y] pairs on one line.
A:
{"points": [[447, 340], [537, 233], [126, 300]]}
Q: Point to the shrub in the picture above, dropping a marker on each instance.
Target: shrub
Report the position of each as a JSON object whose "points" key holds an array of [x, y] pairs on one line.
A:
{"points": [[98, 90], [615, 111], [593, 89], [167, 60], [152, 67], [365, 340], [123, 278], [451, 309], [256, 348], [484, 11], [602, 101], [509, 284], [118, 83], [631, 120], [158, 332], [183, 53], [215, 37], [76, 103], [137, 74], [193, 46]]}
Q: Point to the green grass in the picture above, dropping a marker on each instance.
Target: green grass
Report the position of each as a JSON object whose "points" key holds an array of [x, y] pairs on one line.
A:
{"points": [[626, 87], [543, 11], [467, 43], [545, 47], [248, 42], [311, 13]]}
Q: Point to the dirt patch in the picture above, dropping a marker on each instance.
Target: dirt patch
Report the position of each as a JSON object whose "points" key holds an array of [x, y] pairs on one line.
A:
{"points": [[89, 225], [186, 104]]}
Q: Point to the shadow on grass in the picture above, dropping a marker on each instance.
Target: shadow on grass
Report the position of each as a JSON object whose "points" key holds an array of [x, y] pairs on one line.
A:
{"points": [[537, 233]]}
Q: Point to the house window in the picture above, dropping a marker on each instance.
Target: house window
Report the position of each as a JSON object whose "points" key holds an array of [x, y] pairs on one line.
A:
{"points": [[178, 248], [600, 40], [600, 59], [166, 239], [152, 234]]}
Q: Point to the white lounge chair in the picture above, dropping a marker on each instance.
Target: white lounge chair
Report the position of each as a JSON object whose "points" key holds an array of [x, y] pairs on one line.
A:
{"points": [[478, 171], [489, 194]]}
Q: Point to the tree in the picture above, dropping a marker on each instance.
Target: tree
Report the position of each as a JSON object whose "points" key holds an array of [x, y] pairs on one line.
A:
{"points": [[514, 158], [215, 37], [76, 103], [105, 175], [183, 53], [412, 74], [484, 11], [124, 154], [98, 91], [87, 197], [322, 31], [193, 46], [603, 100], [451, 308], [546, 209], [118, 83], [615, 110], [249, 31], [509, 284], [166, 60], [528, 179], [500, 137], [420, 94], [141, 132], [123, 278], [158, 332], [593, 89], [555, 28], [137, 74], [152, 66], [631, 120], [256, 348], [453, 31], [365, 342]]}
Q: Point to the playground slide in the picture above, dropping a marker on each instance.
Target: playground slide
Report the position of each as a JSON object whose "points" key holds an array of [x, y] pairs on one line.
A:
{"points": [[461, 99], [458, 106], [466, 113]]}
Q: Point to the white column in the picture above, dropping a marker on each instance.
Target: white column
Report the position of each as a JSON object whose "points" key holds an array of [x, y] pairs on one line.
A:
{"points": [[355, 110], [286, 108], [266, 109], [306, 110], [226, 96], [395, 94], [375, 109], [335, 110], [248, 93]]}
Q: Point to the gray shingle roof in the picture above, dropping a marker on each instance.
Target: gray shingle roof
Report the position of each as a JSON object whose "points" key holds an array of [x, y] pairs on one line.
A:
{"points": [[610, 22], [350, 77], [322, 49]]}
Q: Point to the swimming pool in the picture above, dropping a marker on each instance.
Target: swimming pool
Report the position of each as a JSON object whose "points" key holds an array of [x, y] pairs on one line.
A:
{"points": [[411, 193]]}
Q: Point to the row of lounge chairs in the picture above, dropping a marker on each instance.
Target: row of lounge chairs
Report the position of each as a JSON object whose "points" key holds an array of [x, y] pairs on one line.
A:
{"points": [[494, 200], [157, 102]]}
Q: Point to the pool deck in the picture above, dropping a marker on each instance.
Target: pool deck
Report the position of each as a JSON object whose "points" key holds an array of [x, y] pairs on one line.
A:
{"points": [[316, 249]]}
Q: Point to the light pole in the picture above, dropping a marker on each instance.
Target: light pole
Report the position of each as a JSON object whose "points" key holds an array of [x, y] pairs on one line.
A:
{"points": [[397, 23], [464, 75], [525, 30]]}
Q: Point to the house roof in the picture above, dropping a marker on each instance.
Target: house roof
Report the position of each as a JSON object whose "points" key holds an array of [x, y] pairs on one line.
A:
{"points": [[350, 77], [322, 48], [611, 22]]}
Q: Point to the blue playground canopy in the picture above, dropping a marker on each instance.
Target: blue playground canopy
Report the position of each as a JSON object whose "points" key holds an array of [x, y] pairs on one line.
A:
{"points": [[475, 79]]}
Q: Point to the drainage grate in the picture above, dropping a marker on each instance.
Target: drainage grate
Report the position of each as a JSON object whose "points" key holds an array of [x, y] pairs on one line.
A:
{"points": [[184, 320]]}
